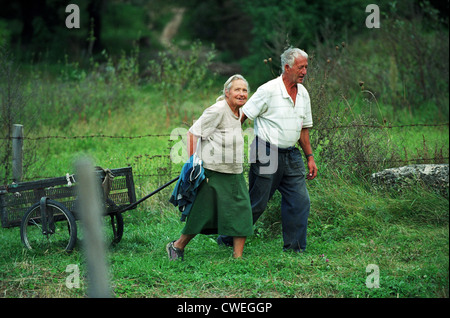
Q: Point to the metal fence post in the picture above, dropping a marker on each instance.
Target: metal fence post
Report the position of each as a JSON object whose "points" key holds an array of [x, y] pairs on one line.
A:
{"points": [[17, 152]]}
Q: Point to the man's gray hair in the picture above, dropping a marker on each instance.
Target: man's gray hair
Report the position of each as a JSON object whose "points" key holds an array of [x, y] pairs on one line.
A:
{"points": [[227, 85], [288, 57]]}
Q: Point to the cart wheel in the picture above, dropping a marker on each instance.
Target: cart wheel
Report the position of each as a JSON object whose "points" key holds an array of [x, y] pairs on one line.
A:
{"points": [[61, 228], [116, 232]]}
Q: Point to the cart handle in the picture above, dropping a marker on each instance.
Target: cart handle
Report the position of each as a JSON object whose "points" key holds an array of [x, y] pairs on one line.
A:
{"points": [[148, 195]]}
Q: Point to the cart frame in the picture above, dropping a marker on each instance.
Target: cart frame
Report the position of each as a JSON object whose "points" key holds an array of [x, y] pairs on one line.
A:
{"points": [[54, 199]]}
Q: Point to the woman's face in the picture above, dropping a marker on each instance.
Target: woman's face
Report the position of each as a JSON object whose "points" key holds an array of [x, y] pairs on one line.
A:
{"points": [[238, 94]]}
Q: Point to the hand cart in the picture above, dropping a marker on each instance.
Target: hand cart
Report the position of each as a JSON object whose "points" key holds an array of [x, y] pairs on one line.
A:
{"points": [[50, 222]]}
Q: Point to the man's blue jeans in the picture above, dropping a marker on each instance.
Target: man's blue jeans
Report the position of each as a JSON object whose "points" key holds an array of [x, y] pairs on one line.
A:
{"points": [[288, 178]]}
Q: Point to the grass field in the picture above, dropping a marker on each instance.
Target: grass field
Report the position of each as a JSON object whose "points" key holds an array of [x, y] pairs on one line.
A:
{"points": [[350, 228], [359, 235], [354, 227], [385, 89]]}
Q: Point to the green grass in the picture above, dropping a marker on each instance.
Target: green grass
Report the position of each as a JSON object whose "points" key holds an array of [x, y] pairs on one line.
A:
{"points": [[406, 236], [352, 224]]}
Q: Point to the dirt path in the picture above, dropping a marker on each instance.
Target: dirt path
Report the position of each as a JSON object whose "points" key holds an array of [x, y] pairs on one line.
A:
{"points": [[172, 27]]}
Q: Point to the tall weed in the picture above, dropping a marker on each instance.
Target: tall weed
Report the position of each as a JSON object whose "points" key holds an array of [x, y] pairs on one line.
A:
{"points": [[181, 75], [83, 95], [15, 108]]}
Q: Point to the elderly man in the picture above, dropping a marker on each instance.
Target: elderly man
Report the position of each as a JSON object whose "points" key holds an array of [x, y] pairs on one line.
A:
{"points": [[281, 111]]}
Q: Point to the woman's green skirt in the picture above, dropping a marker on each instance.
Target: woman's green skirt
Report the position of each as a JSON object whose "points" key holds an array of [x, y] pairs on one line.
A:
{"points": [[222, 206]]}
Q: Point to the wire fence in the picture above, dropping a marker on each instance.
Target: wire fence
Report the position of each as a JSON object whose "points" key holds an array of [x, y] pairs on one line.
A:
{"points": [[155, 164], [387, 126]]}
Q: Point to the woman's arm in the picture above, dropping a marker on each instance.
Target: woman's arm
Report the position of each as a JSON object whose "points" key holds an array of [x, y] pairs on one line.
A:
{"points": [[191, 144]]}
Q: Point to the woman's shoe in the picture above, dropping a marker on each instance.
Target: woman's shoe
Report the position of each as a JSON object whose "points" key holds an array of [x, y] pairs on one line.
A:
{"points": [[174, 253]]}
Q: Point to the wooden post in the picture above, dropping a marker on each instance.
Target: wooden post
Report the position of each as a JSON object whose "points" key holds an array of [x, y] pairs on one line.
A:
{"points": [[91, 215], [17, 152]]}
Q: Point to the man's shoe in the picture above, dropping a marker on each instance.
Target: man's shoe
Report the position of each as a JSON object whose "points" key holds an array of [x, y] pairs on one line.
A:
{"points": [[225, 240]]}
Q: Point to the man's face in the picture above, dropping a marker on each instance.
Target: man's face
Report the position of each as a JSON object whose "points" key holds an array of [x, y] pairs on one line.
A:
{"points": [[297, 72]]}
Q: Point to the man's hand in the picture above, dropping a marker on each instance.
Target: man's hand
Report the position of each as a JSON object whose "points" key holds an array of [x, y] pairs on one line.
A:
{"points": [[312, 168], [306, 146]]}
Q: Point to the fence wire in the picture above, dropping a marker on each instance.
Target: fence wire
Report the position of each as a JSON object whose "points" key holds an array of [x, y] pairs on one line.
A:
{"points": [[387, 126], [151, 169]]}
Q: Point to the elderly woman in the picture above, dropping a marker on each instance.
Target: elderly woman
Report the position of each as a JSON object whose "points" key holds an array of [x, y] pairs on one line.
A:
{"points": [[222, 204]]}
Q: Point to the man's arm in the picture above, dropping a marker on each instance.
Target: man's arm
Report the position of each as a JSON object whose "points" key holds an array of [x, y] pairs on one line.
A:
{"points": [[307, 150]]}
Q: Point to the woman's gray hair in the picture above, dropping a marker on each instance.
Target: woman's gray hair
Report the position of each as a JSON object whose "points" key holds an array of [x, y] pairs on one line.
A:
{"points": [[288, 57], [227, 85]]}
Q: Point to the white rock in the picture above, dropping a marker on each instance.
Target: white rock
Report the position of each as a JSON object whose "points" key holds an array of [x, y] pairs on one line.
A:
{"points": [[431, 175]]}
